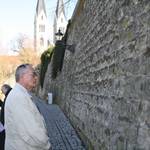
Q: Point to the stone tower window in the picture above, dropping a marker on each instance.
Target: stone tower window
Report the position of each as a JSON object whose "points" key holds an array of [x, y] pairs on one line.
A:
{"points": [[41, 41], [42, 28]]}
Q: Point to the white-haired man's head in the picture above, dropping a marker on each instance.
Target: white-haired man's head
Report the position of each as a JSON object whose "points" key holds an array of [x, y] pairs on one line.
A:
{"points": [[25, 75]]}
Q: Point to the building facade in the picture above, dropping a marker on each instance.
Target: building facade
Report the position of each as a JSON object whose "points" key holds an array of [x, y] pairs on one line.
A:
{"points": [[41, 28]]}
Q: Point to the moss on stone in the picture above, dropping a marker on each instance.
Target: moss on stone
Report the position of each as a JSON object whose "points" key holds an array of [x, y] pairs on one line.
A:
{"points": [[130, 35], [125, 23]]}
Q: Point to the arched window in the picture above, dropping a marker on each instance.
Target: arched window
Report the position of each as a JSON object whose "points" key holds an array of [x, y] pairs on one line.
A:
{"points": [[41, 41], [48, 42], [42, 28]]}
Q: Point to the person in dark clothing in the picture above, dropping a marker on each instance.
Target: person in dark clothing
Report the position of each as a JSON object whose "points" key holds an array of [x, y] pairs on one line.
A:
{"points": [[5, 90], [1, 103]]}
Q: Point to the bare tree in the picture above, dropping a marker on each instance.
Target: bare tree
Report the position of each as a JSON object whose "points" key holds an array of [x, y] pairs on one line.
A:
{"points": [[24, 46]]}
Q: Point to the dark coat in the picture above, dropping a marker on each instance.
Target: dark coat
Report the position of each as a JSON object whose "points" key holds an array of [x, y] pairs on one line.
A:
{"points": [[2, 134], [1, 103]]}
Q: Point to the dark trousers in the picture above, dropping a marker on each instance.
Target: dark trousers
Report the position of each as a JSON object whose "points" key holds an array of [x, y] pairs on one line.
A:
{"points": [[2, 140]]}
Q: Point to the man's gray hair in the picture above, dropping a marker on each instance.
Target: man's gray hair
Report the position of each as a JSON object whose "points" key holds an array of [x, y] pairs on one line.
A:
{"points": [[21, 70]]}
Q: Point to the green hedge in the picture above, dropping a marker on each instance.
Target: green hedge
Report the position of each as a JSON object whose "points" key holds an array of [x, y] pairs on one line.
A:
{"points": [[45, 60], [58, 57], [59, 52]]}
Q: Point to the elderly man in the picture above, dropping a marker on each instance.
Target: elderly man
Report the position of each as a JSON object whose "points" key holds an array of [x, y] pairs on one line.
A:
{"points": [[24, 125]]}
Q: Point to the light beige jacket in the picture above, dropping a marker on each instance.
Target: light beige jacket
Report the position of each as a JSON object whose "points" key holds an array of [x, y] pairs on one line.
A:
{"points": [[24, 125]]}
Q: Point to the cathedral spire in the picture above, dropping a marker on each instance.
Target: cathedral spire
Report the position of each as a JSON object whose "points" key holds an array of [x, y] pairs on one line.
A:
{"points": [[40, 6], [41, 28]]}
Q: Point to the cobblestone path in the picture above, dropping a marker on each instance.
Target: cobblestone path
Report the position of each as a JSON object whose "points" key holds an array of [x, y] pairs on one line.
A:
{"points": [[62, 135]]}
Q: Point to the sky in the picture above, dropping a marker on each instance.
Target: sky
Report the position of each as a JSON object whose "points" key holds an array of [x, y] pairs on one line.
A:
{"points": [[17, 16]]}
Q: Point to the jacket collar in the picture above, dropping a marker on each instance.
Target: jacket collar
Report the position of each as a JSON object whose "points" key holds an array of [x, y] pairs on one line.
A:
{"points": [[23, 89]]}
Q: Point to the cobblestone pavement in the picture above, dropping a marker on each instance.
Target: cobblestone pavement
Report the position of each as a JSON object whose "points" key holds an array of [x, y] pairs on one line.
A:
{"points": [[62, 135]]}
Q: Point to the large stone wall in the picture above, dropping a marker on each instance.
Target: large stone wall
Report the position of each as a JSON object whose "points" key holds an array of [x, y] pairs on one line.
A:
{"points": [[104, 87]]}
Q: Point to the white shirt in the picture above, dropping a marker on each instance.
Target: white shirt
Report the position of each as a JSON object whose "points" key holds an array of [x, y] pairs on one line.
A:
{"points": [[24, 125]]}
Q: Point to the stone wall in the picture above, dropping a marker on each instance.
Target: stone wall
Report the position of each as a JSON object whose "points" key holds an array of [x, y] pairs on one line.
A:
{"points": [[104, 87]]}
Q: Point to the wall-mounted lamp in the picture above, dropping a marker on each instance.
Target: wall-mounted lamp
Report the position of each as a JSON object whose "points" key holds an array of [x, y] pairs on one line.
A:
{"points": [[59, 34], [60, 42]]}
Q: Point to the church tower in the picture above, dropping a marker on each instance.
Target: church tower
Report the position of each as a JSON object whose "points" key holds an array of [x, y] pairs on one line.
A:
{"points": [[41, 28], [60, 21]]}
